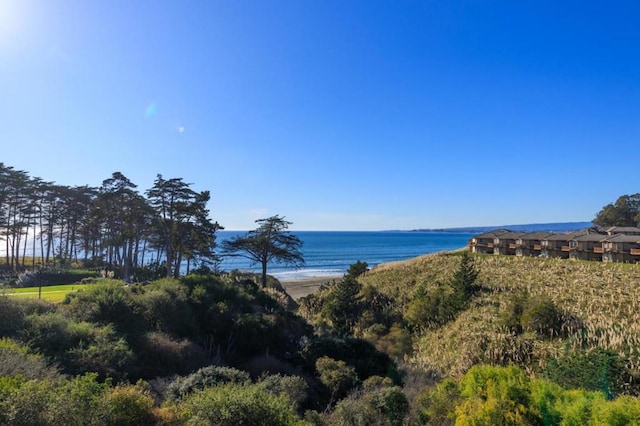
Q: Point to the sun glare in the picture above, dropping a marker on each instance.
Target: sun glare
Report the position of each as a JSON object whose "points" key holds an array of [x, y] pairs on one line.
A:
{"points": [[10, 21]]}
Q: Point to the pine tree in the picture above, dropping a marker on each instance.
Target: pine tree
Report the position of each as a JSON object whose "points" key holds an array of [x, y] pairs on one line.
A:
{"points": [[464, 283], [343, 304]]}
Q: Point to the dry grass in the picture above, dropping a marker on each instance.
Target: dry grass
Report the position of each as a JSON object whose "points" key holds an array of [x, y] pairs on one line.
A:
{"points": [[601, 302]]}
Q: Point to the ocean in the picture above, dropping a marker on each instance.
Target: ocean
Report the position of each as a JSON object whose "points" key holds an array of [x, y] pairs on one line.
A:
{"points": [[329, 253]]}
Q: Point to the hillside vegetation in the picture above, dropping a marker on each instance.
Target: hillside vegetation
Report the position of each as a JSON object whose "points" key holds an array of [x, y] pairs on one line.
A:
{"points": [[597, 304], [478, 340]]}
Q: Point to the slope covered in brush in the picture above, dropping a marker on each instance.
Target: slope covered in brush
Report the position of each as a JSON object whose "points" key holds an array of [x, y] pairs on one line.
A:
{"points": [[543, 314]]}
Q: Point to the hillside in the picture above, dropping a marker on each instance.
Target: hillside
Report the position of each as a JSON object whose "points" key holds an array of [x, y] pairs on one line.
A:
{"points": [[599, 305]]}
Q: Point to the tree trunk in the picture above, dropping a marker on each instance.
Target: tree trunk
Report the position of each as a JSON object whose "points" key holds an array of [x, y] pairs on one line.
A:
{"points": [[264, 274]]}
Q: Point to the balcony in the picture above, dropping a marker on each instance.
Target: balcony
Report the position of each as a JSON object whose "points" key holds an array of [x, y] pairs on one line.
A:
{"points": [[635, 252], [565, 248], [512, 246], [537, 247], [490, 245], [598, 250]]}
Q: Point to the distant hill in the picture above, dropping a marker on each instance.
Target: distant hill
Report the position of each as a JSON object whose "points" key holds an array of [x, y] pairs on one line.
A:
{"points": [[531, 227]]}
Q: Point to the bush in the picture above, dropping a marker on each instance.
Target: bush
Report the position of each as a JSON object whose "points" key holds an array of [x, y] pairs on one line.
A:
{"points": [[437, 406], [382, 405], [536, 314], [165, 306], [430, 310], [359, 353], [16, 359], [594, 370], [108, 303], [542, 316], [233, 404], [293, 387], [28, 404], [204, 378], [127, 405], [395, 341], [77, 401], [337, 376], [493, 396], [106, 354], [11, 317], [165, 356]]}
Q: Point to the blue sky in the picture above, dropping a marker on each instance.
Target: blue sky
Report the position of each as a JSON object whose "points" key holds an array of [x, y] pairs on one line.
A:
{"points": [[336, 114]]}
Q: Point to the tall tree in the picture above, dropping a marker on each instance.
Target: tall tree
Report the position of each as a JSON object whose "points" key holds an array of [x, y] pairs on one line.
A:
{"points": [[624, 212], [124, 216], [269, 242], [181, 221]]}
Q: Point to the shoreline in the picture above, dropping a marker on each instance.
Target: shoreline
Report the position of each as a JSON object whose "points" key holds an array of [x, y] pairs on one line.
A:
{"points": [[301, 287]]}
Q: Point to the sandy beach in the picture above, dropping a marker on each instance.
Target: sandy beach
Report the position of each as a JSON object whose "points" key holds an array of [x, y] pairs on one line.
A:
{"points": [[304, 287]]}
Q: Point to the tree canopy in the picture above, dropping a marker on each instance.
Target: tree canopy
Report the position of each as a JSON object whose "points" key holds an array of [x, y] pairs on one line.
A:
{"points": [[269, 242], [624, 212]]}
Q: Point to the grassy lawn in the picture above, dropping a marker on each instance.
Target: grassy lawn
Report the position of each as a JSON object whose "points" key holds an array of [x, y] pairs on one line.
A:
{"points": [[55, 293]]}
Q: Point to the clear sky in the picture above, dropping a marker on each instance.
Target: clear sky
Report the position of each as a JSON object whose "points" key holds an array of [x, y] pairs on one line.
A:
{"points": [[342, 114]]}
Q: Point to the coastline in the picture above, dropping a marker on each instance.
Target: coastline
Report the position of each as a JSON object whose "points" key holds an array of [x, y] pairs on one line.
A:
{"points": [[298, 288]]}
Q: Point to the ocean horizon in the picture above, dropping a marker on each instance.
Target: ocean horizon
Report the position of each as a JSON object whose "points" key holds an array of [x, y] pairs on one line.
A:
{"points": [[329, 253]]}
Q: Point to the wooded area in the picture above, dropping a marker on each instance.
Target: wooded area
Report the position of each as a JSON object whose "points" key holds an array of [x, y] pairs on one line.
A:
{"points": [[113, 226]]}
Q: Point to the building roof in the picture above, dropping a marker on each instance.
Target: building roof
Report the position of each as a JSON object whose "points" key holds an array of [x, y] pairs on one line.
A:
{"points": [[622, 230], [621, 238], [492, 234], [511, 235], [566, 236], [536, 235], [591, 237]]}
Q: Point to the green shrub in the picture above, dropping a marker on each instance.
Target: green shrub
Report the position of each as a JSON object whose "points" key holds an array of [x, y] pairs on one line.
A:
{"points": [[163, 355], [437, 406], [105, 354], [494, 396], [395, 340], [16, 359], [342, 304], [166, 308], [107, 303], [77, 401], [354, 411], [542, 316], [293, 387], [11, 317], [374, 405], [621, 411], [432, 309], [233, 404], [204, 378], [536, 314], [337, 376], [127, 405], [28, 404], [359, 353], [575, 406], [594, 370]]}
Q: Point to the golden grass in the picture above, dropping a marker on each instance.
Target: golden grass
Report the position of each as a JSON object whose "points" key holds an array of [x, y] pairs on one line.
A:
{"points": [[601, 302]]}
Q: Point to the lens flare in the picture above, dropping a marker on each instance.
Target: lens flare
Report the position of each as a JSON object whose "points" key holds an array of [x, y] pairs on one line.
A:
{"points": [[152, 109]]}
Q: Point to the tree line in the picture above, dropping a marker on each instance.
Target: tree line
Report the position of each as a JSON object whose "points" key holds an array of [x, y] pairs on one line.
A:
{"points": [[113, 225]]}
